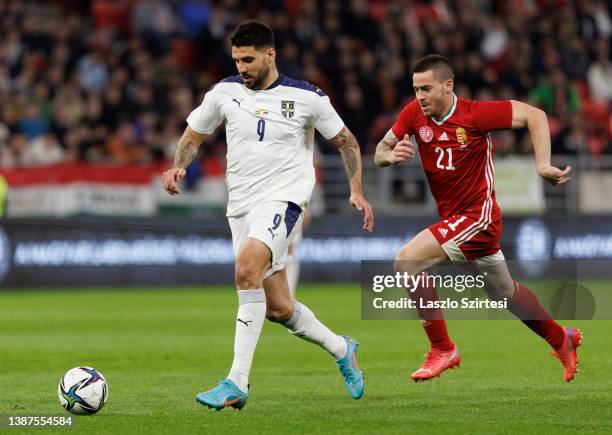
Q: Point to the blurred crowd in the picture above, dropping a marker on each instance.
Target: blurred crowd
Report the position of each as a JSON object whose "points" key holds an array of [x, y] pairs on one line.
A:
{"points": [[113, 80]]}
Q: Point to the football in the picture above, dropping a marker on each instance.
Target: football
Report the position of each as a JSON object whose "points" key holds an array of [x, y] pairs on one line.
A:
{"points": [[82, 390]]}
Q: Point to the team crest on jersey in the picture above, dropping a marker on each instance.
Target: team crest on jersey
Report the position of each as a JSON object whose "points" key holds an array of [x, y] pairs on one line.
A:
{"points": [[462, 137], [426, 133], [288, 108]]}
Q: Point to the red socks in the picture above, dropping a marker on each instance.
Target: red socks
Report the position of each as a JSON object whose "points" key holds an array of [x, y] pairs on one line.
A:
{"points": [[525, 305], [432, 319]]}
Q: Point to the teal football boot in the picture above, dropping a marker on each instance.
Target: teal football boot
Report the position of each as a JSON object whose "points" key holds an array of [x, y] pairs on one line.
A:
{"points": [[352, 376], [223, 395]]}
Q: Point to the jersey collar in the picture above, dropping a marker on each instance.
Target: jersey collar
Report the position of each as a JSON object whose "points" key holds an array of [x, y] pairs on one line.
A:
{"points": [[450, 112], [275, 83]]}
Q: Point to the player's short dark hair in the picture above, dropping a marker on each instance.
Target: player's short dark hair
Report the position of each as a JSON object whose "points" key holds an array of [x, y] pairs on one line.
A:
{"points": [[440, 65], [253, 33]]}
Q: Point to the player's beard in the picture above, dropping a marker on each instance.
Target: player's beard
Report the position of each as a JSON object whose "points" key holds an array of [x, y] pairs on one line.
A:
{"points": [[258, 79], [435, 108], [439, 108]]}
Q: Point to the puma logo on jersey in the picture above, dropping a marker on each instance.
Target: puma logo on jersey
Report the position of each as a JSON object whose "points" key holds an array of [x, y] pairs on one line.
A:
{"points": [[443, 136], [443, 231], [273, 233], [237, 102]]}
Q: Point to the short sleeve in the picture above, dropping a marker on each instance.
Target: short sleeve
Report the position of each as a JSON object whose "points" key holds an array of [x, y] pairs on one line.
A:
{"points": [[325, 119], [492, 115], [206, 117], [404, 123]]}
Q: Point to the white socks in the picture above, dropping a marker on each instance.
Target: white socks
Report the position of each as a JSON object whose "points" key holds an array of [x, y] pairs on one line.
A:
{"points": [[305, 325], [249, 321]]}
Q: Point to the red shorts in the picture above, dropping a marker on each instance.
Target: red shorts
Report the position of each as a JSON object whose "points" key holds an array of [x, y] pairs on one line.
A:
{"points": [[468, 237]]}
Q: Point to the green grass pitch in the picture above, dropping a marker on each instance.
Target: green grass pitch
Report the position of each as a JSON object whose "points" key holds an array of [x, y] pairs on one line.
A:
{"points": [[159, 347]]}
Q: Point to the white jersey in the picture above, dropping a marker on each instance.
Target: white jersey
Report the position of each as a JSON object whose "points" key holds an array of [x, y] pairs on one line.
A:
{"points": [[270, 135]]}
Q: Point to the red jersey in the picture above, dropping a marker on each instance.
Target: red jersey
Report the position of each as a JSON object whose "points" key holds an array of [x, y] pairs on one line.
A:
{"points": [[457, 153]]}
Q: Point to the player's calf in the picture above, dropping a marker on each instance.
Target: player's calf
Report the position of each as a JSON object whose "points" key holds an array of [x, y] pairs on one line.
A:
{"points": [[279, 303], [279, 313], [499, 285]]}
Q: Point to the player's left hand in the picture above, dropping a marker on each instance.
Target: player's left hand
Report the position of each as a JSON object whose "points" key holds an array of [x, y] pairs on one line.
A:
{"points": [[554, 175], [361, 204]]}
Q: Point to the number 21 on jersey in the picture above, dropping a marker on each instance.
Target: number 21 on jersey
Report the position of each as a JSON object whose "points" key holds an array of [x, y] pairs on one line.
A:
{"points": [[441, 154]]}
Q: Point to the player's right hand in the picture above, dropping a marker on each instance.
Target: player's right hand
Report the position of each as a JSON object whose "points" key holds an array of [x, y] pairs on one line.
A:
{"points": [[403, 151], [170, 178]]}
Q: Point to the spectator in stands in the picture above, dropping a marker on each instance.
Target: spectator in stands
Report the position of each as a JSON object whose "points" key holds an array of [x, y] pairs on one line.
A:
{"points": [[599, 74], [156, 21], [41, 98], [93, 72], [558, 98], [572, 140], [9, 117], [196, 15], [86, 80], [32, 123], [43, 150], [11, 155], [355, 115], [124, 147], [601, 16]]}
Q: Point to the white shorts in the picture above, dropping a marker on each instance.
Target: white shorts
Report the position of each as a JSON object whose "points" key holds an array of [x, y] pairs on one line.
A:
{"points": [[274, 223], [299, 236]]}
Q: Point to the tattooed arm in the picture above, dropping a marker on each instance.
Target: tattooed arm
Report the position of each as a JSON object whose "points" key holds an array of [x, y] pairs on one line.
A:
{"points": [[186, 150], [351, 157], [391, 151]]}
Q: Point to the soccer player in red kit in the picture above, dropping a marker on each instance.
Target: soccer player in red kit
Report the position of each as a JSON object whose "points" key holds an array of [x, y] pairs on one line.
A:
{"points": [[457, 156]]}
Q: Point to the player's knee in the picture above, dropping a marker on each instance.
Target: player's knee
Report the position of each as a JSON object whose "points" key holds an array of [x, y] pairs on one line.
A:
{"points": [[247, 275], [279, 313], [405, 262]]}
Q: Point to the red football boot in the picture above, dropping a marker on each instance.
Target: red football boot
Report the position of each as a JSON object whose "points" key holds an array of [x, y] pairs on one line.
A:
{"points": [[567, 353], [436, 362]]}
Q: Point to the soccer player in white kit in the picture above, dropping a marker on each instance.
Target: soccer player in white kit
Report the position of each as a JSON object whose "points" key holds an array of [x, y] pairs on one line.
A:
{"points": [[269, 123]]}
